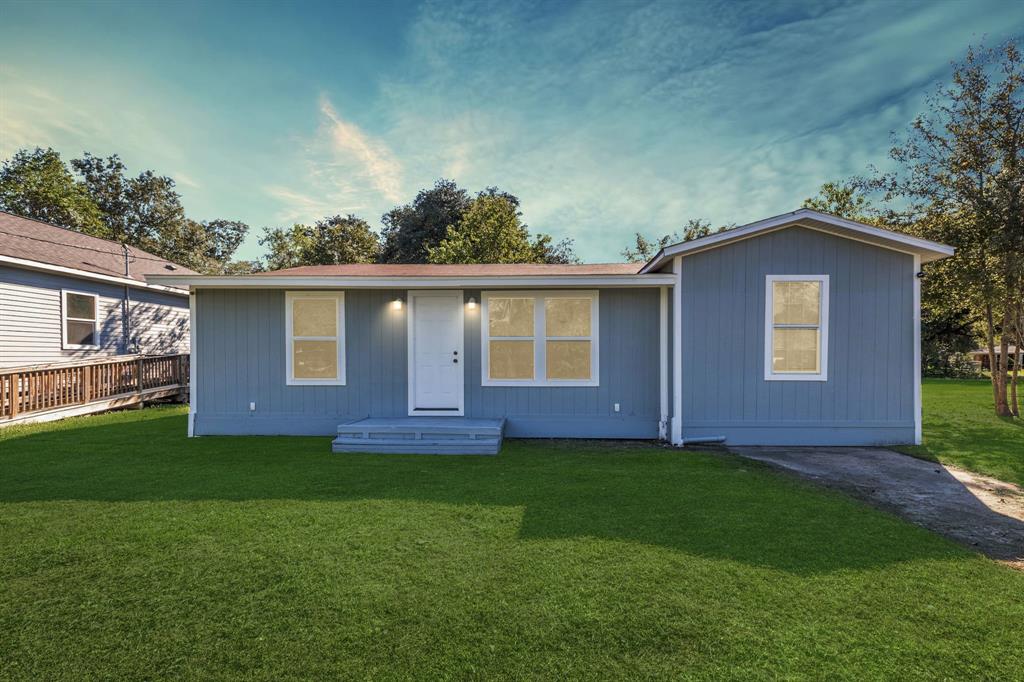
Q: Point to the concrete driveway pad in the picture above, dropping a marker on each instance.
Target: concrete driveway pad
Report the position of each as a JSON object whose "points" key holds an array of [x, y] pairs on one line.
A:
{"points": [[983, 513]]}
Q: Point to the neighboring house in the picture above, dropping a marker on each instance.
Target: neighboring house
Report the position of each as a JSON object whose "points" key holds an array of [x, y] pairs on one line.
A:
{"points": [[67, 297], [981, 360], [799, 329]]}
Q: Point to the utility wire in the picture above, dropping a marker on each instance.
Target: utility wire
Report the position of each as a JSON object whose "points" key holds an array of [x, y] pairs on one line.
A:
{"points": [[118, 253]]}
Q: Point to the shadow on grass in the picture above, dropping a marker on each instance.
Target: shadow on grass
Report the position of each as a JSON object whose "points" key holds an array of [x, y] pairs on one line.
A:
{"points": [[697, 503]]}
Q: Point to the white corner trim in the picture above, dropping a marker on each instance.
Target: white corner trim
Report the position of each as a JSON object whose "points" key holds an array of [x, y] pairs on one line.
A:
{"points": [[193, 388], [663, 339], [823, 324], [85, 274], [339, 336], [64, 318], [897, 241], [918, 417], [677, 352], [540, 339], [410, 345]]}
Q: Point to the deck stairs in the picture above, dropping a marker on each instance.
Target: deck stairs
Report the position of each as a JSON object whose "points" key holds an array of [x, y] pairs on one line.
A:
{"points": [[421, 435]]}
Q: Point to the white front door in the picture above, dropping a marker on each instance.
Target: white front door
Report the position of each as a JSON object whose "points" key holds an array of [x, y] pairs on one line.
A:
{"points": [[436, 354]]}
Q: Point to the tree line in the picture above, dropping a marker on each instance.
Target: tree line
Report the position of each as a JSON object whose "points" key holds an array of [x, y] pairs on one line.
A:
{"points": [[442, 224], [97, 196]]}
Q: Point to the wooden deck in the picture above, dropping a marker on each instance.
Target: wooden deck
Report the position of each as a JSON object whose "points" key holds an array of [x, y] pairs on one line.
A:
{"points": [[421, 435], [48, 392]]}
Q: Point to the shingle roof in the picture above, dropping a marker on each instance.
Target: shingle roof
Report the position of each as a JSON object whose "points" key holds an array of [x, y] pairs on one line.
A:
{"points": [[474, 270], [45, 243]]}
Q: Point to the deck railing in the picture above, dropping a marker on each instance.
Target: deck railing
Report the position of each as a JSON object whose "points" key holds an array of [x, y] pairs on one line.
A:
{"points": [[27, 390]]}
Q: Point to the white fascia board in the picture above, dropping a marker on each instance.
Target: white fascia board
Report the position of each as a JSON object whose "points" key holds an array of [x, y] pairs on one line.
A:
{"points": [[308, 282], [85, 274], [897, 241]]}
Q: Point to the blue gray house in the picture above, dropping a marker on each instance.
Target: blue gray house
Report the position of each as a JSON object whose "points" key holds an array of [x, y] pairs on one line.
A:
{"points": [[67, 297], [800, 329]]}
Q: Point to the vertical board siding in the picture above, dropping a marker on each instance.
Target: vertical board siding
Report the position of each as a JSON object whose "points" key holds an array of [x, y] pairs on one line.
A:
{"points": [[31, 321], [241, 359], [868, 397]]}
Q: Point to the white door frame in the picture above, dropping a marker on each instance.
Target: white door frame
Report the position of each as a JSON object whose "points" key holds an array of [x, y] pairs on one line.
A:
{"points": [[456, 294]]}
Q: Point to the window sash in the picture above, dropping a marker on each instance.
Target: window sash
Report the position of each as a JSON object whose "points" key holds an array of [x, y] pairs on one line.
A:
{"points": [[539, 338], [65, 318], [821, 329], [338, 338]]}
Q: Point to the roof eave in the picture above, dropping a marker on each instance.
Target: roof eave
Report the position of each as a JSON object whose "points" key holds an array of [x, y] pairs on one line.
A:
{"points": [[407, 282], [926, 249], [40, 266]]}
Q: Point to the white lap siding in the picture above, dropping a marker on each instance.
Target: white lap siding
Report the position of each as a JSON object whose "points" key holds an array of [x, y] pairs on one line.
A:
{"points": [[31, 320]]}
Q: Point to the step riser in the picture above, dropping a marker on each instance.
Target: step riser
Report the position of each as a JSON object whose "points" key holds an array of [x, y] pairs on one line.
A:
{"points": [[421, 435], [417, 449]]}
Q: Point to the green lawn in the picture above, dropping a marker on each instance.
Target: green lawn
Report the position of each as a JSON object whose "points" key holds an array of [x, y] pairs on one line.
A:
{"points": [[961, 428], [128, 551]]}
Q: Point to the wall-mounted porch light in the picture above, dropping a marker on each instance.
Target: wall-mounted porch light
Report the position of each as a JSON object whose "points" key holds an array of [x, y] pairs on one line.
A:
{"points": [[472, 303], [396, 304]]}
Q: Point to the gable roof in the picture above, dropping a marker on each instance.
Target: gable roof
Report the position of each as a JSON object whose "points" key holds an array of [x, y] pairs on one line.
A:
{"points": [[815, 220], [25, 242], [456, 270]]}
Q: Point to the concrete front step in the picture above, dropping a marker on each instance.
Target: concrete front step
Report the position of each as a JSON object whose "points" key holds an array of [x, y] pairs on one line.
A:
{"points": [[421, 435]]}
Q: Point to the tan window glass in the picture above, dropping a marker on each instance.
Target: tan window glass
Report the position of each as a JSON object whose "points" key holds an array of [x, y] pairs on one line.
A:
{"points": [[567, 316], [315, 359], [796, 302], [314, 317], [510, 316], [795, 350], [510, 359], [568, 359]]}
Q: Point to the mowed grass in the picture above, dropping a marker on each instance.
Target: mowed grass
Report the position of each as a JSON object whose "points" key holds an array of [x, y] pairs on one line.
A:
{"points": [[129, 552], [961, 428]]}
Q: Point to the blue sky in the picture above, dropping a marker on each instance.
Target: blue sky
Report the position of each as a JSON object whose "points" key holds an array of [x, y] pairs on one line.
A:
{"points": [[605, 118]]}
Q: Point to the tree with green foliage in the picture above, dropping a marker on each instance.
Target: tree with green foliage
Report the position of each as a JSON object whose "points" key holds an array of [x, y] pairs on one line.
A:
{"points": [[845, 200], [490, 231], [205, 246], [410, 231], [644, 249], [143, 211], [331, 241], [36, 184], [960, 180], [546, 250], [137, 210]]}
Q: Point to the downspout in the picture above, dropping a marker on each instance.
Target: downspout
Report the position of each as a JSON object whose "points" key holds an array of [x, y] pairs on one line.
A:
{"points": [[127, 325]]}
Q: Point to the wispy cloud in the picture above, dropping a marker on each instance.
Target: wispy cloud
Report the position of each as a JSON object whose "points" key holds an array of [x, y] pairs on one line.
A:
{"points": [[351, 143], [607, 119], [342, 169], [185, 179]]}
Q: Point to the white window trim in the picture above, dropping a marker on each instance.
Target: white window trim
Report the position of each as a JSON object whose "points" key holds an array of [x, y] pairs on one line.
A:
{"points": [[823, 320], [64, 320], [540, 339], [339, 298]]}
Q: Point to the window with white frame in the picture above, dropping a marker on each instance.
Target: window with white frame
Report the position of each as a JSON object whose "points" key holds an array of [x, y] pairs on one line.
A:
{"points": [[796, 328], [532, 338], [80, 320], [315, 337]]}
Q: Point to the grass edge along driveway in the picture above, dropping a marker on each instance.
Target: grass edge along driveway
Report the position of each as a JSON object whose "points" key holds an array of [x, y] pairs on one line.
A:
{"points": [[961, 428], [131, 551]]}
